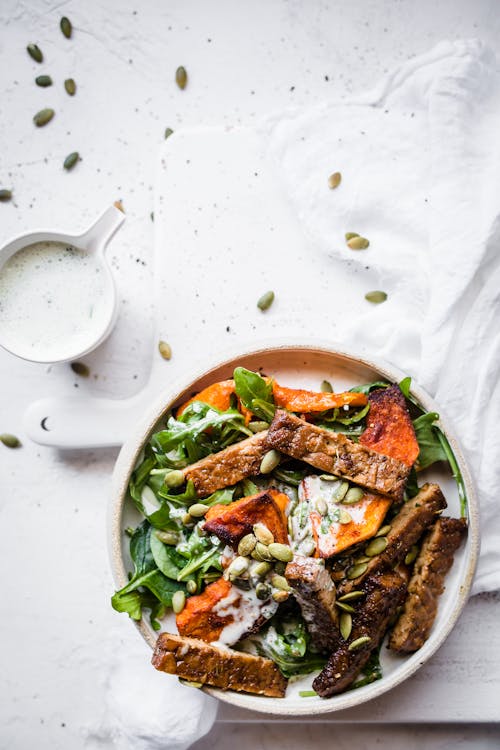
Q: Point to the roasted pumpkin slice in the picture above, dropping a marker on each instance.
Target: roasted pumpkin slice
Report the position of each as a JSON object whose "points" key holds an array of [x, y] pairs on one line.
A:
{"points": [[217, 394], [389, 429], [298, 400], [231, 522]]}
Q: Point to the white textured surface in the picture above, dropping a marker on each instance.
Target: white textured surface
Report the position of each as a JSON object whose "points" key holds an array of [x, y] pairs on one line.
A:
{"points": [[56, 581]]}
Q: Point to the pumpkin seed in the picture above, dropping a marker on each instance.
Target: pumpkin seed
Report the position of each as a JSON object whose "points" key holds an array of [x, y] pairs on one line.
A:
{"points": [[341, 492], [258, 426], [260, 569], [307, 693], [168, 133], [351, 596], [119, 206], [356, 570], [10, 441], [280, 596], [262, 591], [43, 81], [181, 77], [344, 517], [279, 568], [35, 52], [80, 369], [358, 243], [241, 583], [307, 548], [363, 640], [246, 545], [187, 520], [344, 607], [174, 478], [350, 235], [190, 683], [238, 566], [265, 302], [326, 387], [270, 461], [178, 601], [281, 552], [43, 117], [345, 625], [280, 582], [353, 495], [376, 297], [329, 478], [167, 537], [321, 506], [334, 180], [411, 555], [70, 86], [165, 350], [362, 559], [71, 160], [5, 195], [261, 552], [263, 534], [384, 530], [192, 587], [66, 27], [198, 510], [376, 546]]}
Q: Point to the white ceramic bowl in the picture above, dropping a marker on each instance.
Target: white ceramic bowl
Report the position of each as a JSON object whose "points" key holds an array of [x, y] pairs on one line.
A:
{"points": [[304, 366]]}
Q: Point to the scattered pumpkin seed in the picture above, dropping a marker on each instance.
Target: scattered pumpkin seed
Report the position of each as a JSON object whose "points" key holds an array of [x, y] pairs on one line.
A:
{"points": [[350, 235], [376, 546], [363, 640], [70, 86], [178, 601], [353, 495], [279, 568], [326, 387], [329, 478], [356, 570], [191, 586], [258, 426], [43, 117], [341, 492], [263, 534], [5, 195], [265, 302], [43, 81], [261, 569], [345, 625], [321, 506], [345, 607], [238, 566], [119, 206], [246, 545], [334, 180], [362, 559], [167, 537], [308, 548], [198, 510], [190, 683], [71, 160], [358, 243], [307, 693], [270, 461], [35, 52], [152, 215], [187, 520], [280, 582], [411, 555], [261, 553], [280, 596], [174, 478], [384, 530], [262, 591], [66, 27], [80, 368], [165, 350], [181, 77], [351, 596], [376, 297], [281, 552], [344, 517], [168, 133], [10, 441]]}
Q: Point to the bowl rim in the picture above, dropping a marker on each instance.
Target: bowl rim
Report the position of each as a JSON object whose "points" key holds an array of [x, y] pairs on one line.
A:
{"points": [[131, 449]]}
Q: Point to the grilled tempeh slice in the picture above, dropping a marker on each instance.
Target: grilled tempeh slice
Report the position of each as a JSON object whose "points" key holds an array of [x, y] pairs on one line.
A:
{"points": [[314, 591], [198, 661], [426, 584], [337, 454], [406, 529], [384, 594], [229, 466]]}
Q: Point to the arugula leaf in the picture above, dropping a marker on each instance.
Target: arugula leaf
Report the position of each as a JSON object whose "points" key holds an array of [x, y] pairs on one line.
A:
{"points": [[367, 387], [166, 558], [177, 432], [404, 387], [431, 449], [254, 392], [130, 603]]}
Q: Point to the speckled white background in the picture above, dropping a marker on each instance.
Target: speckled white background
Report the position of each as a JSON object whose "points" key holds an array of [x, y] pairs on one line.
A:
{"points": [[245, 59]]}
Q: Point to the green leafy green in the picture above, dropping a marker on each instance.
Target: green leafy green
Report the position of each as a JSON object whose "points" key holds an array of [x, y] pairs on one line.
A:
{"points": [[254, 392], [286, 642], [166, 557], [372, 671], [368, 387], [431, 449]]}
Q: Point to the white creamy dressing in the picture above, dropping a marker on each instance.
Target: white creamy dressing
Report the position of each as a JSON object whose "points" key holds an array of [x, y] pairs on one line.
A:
{"points": [[245, 609], [54, 301]]}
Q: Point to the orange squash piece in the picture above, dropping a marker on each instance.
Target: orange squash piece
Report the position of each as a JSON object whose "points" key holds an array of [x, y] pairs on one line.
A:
{"points": [[231, 522], [367, 516], [198, 618], [217, 394], [389, 429], [297, 400]]}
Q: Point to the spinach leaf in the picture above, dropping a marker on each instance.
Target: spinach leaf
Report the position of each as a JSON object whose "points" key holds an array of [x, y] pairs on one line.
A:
{"points": [[130, 603], [177, 432], [140, 550], [287, 644], [405, 386], [367, 387], [431, 449], [166, 558], [254, 392]]}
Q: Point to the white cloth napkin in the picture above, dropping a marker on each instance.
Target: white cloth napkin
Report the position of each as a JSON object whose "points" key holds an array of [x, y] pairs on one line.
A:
{"points": [[420, 168]]}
